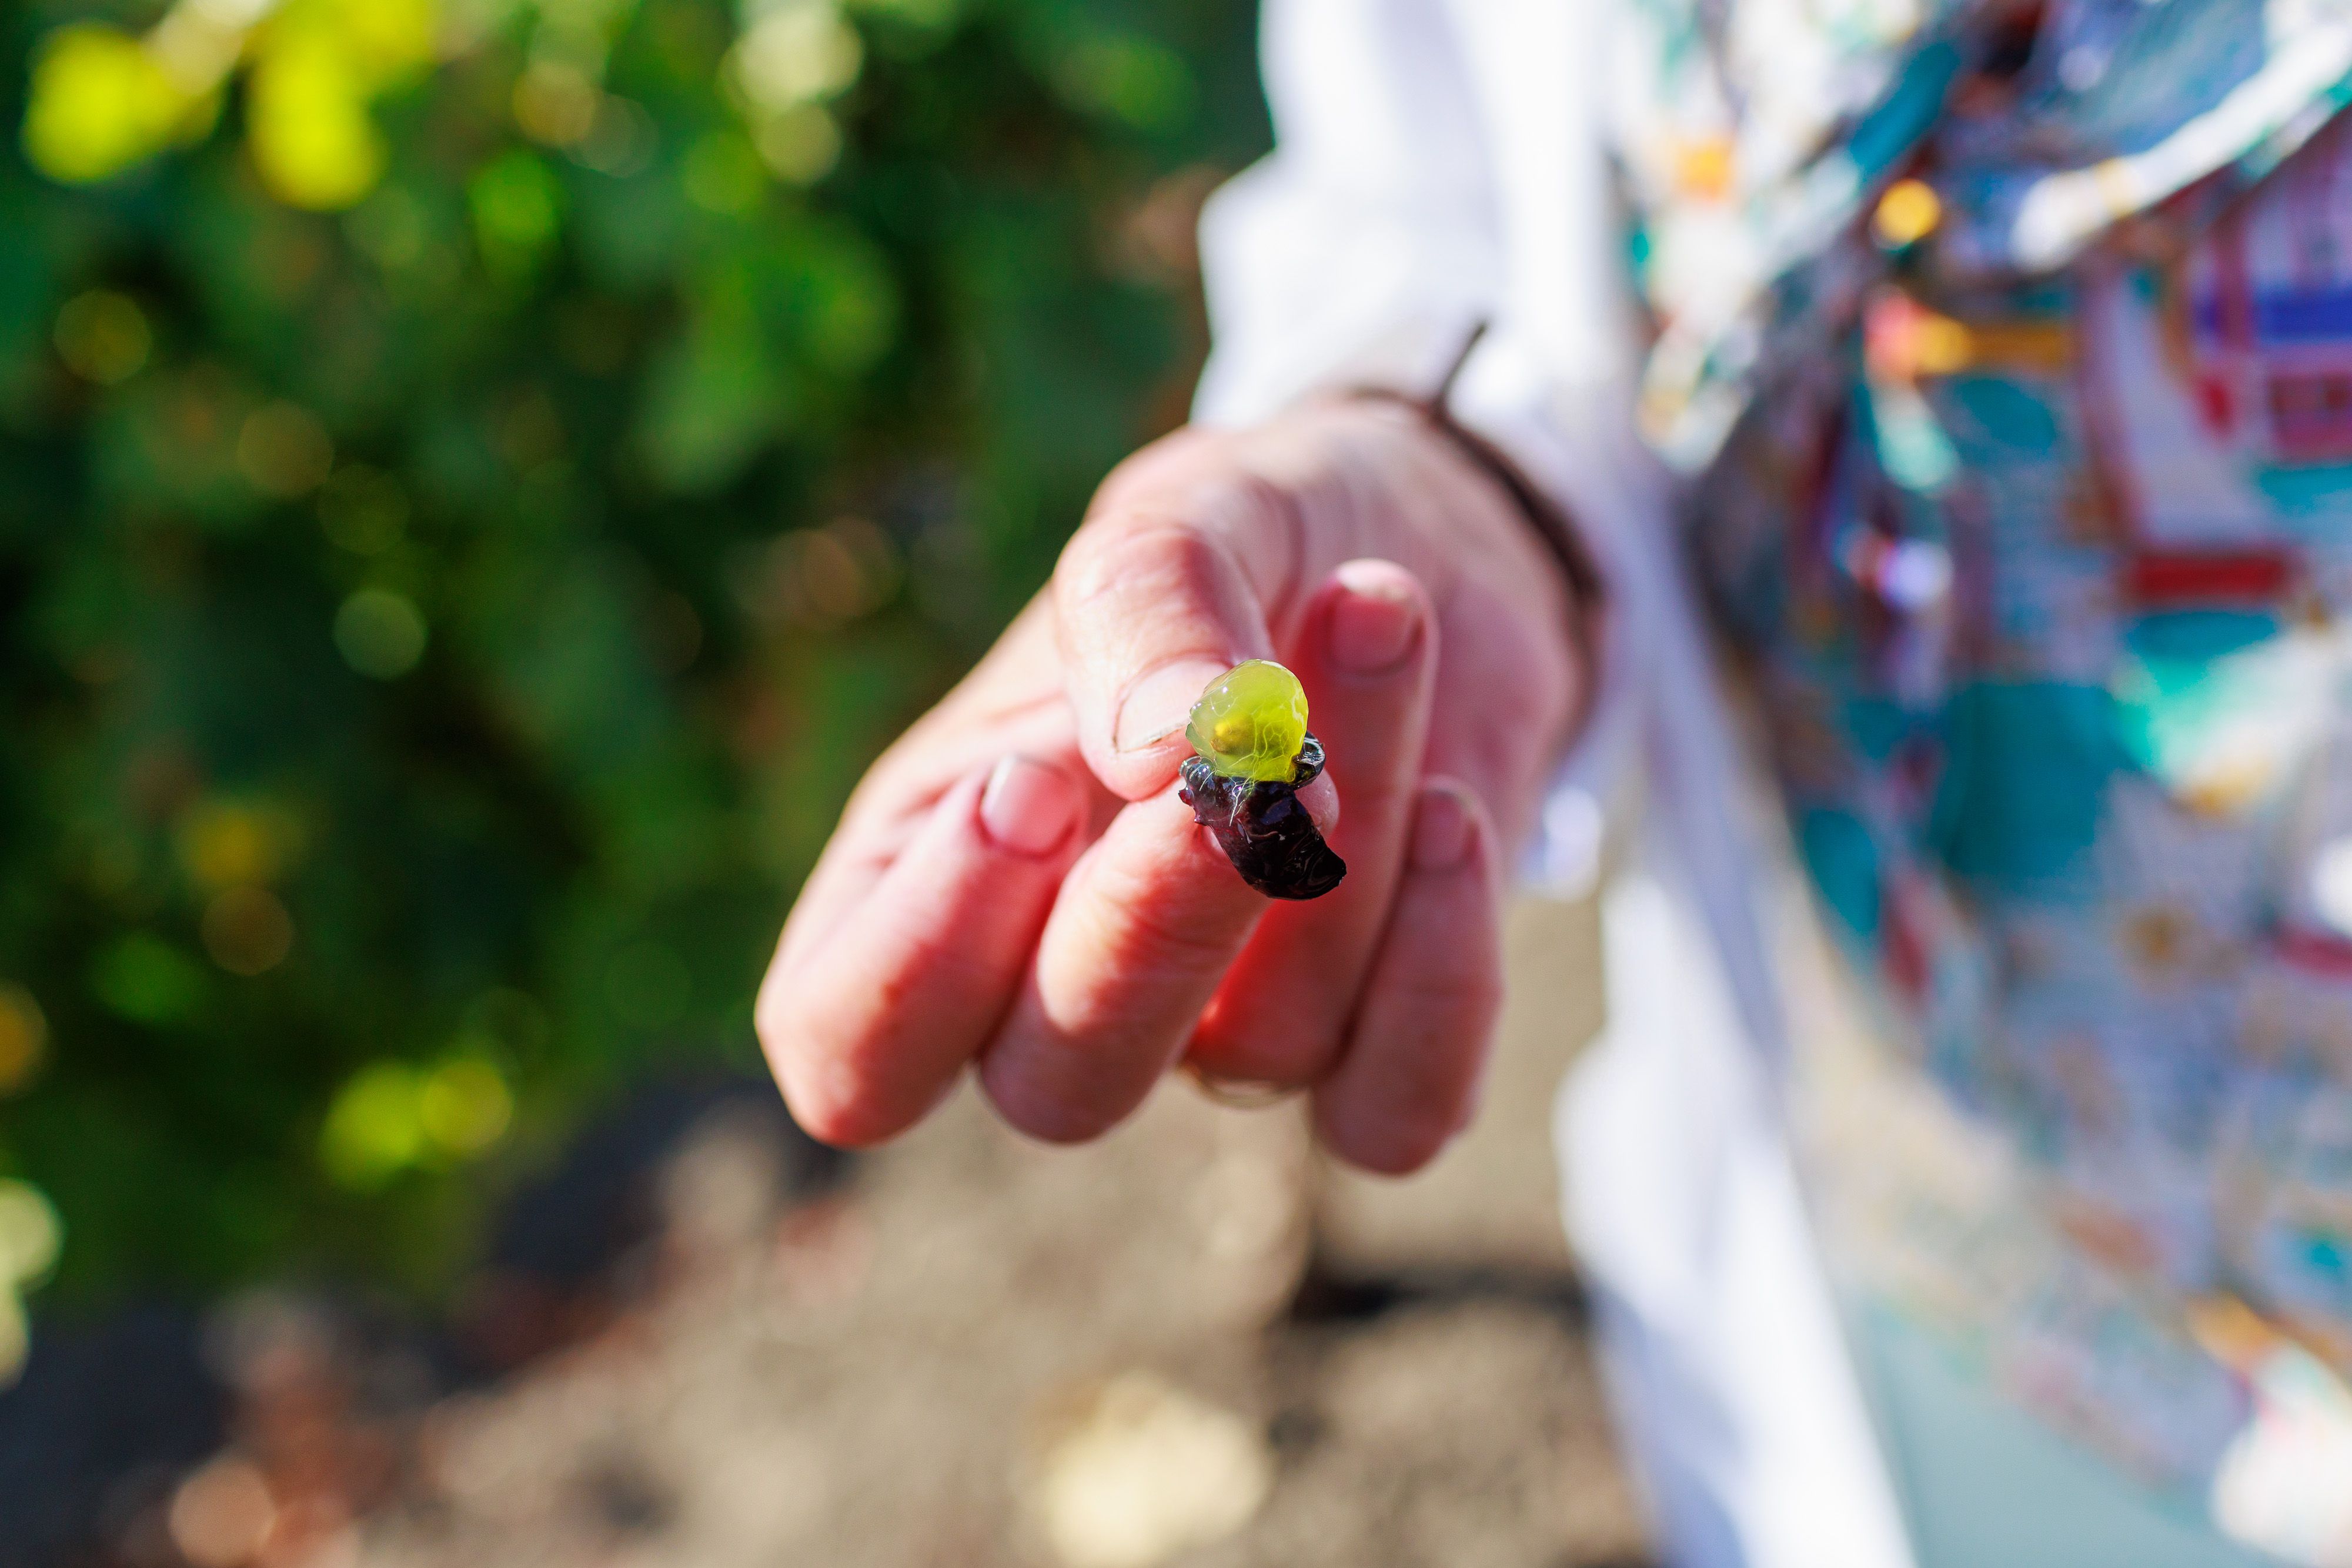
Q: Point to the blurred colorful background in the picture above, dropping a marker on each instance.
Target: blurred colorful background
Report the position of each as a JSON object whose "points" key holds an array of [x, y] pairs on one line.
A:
{"points": [[481, 479]]}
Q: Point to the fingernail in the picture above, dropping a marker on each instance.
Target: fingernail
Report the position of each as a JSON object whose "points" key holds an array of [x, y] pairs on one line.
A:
{"points": [[1442, 831], [1028, 807], [1374, 618], [1159, 703]]}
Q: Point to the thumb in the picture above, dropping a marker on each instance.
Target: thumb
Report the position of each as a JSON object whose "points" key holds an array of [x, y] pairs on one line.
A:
{"points": [[1167, 586]]}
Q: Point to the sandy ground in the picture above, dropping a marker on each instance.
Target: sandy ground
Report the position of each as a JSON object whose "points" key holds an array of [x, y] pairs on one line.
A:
{"points": [[1192, 1344]]}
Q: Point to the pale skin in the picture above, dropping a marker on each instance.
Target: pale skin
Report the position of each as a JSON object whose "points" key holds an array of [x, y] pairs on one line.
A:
{"points": [[1015, 890]]}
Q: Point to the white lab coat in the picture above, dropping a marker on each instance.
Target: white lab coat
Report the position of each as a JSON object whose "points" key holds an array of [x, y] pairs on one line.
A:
{"points": [[1438, 164]]}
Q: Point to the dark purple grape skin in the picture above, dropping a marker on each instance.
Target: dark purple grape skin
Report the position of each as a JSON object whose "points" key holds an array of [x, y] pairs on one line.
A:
{"points": [[1264, 828]]}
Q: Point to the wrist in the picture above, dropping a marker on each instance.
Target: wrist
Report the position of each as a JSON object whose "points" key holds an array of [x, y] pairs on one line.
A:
{"points": [[1554, 547], [1556, 534]]}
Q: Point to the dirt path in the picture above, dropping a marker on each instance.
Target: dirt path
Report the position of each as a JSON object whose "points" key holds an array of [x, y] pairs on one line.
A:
{"points": [[1190, 1344]]}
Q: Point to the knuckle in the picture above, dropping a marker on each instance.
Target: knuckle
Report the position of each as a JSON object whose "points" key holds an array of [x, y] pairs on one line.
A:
{"points": [[1174, 462], [1180, 940], [1179, 922], [1194, 541], [1138, 479], [1147, 554]]}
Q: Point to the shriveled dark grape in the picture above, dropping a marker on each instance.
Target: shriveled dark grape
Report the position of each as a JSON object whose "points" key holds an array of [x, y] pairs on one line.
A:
{"points": [[1263, 826]]}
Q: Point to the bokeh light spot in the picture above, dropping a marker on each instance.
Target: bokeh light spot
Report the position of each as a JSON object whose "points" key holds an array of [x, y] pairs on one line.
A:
{"points": [[380, 634], [248, 931], [146, 980], [391, 1117], [307, 126], [622, 140], [824, 577], [1129, 77], [103, 337], [802, 145], [1145, 1472], [15, 1337], [100, 102], [722, 173], [386, 37], [30, 1241], [518, 209], [465, 1106], [1908, 214], [222, 1515], [24, 1037], [375, 1129], [802, 51], [30, 1236], [284, 450], [2331, 885], [224, 843], [555, 103]]}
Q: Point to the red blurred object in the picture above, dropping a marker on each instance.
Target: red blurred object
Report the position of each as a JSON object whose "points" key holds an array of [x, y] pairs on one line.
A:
{"points": [[2174, 580]]}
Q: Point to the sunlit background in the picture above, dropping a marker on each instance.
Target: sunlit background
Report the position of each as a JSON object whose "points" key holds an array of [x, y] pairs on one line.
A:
{"points": [[481, 478]]}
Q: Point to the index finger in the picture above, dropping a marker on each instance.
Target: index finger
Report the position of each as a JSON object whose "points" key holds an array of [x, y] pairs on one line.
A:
{"points": [[1166, 587], [1145, 927]]}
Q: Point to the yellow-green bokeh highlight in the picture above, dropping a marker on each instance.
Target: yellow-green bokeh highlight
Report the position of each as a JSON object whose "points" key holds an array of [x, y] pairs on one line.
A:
{"points": [[102, 100], [392, 1117], [31, 1237], [380, 634]]}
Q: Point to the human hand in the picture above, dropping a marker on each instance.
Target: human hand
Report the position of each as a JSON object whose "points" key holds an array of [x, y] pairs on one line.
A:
{"points": [[1014, 884]]}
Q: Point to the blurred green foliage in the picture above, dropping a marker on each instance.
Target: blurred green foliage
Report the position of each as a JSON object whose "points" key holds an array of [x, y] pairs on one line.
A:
{"points": [[455, 557]]}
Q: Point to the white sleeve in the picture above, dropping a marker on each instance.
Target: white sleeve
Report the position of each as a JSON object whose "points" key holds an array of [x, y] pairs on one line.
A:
{"points": [[1436, 164], [1367, 245]]}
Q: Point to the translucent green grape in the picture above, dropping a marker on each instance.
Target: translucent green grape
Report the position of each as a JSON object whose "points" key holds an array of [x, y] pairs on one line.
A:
{"points": [[1251, 722]]}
